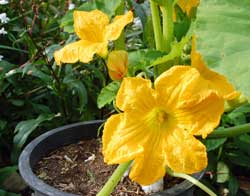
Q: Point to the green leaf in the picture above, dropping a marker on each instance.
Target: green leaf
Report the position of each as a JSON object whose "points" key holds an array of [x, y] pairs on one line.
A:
{"points": [[159, 2], [77, 86], [222, 172], [233, 185], [107, 6], [3, 124], [108, 94], [5, 66], [243, 143], [141, 59], [239, 158], [67, 22], [49, 51], [239, 115], [12, 48], [5, 172], [181, 28], [176, 51], [222, 31], [31, 69], [5, 193], [212, 144], [24, 129]]}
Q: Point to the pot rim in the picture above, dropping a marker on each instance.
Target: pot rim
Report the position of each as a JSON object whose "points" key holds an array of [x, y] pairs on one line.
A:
{"points": [[40, 186]]}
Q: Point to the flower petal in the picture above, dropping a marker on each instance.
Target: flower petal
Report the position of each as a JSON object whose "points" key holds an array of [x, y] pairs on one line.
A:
{"points": [[80, 50], [214, 80], [171, 84], [202, 117], [114, 29], [136, 94], [185, 154], [150, 166], [123, 138], [90, 25]]}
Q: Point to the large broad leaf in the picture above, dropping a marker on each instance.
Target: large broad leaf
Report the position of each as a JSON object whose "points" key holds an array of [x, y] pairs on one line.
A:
{"points": [[107, 6], [222, 30], [24, 129]]}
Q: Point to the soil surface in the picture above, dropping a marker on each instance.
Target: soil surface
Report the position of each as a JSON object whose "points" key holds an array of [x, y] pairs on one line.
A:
{"points": [[79, 169]]}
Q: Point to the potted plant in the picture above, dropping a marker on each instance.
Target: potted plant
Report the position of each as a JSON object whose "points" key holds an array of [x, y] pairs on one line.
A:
{"points": [[66, 135], [164, 102]]}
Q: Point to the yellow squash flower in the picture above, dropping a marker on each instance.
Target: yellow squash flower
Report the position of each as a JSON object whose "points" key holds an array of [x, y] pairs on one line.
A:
{"points": [[94, 31], [188, 5], [157, 126], [209, 79], [117, 64]]}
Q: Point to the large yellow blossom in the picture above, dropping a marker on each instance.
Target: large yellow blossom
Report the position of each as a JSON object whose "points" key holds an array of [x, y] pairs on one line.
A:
{"points": [[94, 31], [157, 126], [208, 79]]}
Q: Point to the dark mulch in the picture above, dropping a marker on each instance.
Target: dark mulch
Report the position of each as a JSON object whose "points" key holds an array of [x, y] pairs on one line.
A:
{"points": [[71, 169]]}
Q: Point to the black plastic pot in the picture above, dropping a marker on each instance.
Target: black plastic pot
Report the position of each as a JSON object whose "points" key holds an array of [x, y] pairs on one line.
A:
{"points": [[64, 136]]}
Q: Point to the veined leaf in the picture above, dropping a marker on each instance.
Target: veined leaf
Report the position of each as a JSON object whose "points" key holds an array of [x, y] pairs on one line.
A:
{"points": [[108, 94], [142, 59], [222, 32], [24, 129]]}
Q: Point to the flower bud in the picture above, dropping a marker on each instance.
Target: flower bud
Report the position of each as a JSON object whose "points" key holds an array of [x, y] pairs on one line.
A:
{"points": [[117, 64]]}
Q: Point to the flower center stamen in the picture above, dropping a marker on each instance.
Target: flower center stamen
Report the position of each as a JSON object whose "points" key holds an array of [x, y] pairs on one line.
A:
{"points": [[161, 116]]}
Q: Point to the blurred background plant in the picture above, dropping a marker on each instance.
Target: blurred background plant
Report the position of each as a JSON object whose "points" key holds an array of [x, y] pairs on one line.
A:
{"points": [[36, 95]]}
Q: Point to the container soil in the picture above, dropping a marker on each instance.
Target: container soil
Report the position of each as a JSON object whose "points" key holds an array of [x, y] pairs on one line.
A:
{"points": [[71, 137]]}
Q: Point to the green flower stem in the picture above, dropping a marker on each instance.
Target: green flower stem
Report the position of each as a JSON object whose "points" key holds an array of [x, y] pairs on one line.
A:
{"points": [[231, 131], [175, 52], [192, 180], [156, 25], [115, 107], [168, 25], [114, 179], [120, 42]]}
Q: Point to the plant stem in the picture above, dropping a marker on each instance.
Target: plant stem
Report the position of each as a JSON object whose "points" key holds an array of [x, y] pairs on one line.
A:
{"points": [[156, 25], [168, 25], [192, 180], [175, 52], [120, 42], [231, 131], [114, 179]]}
